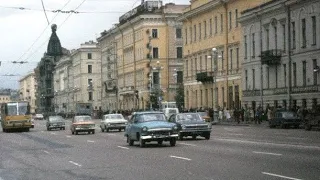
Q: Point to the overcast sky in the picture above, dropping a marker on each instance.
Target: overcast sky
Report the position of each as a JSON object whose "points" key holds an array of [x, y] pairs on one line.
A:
{"points": [[19, 29]]}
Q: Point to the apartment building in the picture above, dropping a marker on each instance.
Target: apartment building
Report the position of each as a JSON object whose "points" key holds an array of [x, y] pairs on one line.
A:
{"points": [[86, 75], [4, 97], [148, 52], [28, 88], [212, 52], [281, 50]]}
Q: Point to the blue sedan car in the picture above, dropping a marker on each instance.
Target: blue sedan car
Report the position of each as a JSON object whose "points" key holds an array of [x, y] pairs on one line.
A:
{"points": [[150, 126]]}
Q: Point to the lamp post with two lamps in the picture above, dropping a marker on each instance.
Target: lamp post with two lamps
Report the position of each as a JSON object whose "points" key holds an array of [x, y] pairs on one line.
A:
{"points": [[214, 58], [155, 84]]}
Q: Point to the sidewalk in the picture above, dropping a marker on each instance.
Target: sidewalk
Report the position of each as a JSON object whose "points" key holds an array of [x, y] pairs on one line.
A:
{"points": [[233, 123]]}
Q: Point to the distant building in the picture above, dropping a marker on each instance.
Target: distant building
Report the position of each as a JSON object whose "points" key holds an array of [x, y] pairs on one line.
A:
{"points": [[28, 88], [4, 97]]}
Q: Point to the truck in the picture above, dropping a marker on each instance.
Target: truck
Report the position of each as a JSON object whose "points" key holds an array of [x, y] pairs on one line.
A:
{"points": [[84, 109]]}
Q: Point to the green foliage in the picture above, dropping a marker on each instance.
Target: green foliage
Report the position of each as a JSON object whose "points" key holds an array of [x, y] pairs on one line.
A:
{"points": [[180, 97]]}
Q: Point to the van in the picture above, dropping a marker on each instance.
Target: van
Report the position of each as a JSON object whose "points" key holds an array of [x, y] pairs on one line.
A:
{"points": [[169, 111]]}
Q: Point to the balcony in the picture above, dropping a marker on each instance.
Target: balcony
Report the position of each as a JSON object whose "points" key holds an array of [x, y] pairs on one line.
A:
{"points": [[205, 77], [271, 57], [305, 89], [250, 93]]}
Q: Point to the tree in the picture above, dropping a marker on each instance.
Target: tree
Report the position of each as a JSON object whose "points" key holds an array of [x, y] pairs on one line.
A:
{"points": [[154, 98], [180, 97]]}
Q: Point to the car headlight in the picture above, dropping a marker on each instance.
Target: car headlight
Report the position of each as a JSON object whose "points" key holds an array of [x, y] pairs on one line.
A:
{"points": [[108, 124], [209, 126], [126, 123], [144, 129], [92, 125], [183, 127], [175, 128]]}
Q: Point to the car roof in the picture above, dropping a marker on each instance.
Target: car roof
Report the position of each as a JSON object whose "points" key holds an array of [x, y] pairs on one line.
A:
{"points": [[150, 112], [112, 114]]}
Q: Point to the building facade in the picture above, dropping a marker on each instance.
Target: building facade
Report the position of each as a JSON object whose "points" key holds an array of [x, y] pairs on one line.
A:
{"points": [[109, 73], [148, 52], [62, 90], [212, 53], [86, 75], [28, 88], [4, 97], [281, 50]]}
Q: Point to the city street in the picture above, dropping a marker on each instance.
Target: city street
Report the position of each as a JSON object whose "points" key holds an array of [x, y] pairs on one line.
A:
{"points": [[233, 152]]}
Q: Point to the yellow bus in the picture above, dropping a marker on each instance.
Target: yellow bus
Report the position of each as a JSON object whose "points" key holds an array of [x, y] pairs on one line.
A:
{"points": [[15, 115]]}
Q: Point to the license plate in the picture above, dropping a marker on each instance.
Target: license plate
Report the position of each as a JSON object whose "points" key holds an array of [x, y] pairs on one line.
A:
{"points": [[18, 124]]}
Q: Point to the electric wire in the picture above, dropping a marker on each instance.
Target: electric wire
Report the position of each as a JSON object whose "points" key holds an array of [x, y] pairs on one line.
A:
{"points": [[45, 13]]}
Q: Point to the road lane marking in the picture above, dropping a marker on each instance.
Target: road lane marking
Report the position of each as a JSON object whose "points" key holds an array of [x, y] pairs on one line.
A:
{"points": [[234, 134], [183, 158], [122, 147], [90, 141], [75, 163], [188, 144], [68, 136], [296, 138], [53, 133], [46, 152], [277, 175], [111, 134], [268, 143], [275, 154]]}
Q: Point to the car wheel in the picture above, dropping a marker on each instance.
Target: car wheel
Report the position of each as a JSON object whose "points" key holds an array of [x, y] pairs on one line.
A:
{"points": [[120, 130], [93, 131], [194, 137], [102, 130], [173, 142], [180, 137], [48, 129], [207, 136], [130, 141], [160, 142], [76, 132], [283, 126], [72, 132], [142, 142], [107, 130], [64, 128]]}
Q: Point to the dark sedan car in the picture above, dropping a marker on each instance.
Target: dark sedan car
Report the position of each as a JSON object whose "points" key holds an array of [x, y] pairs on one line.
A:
{"points": [[191, 124], [285, 119], [55, 122]]}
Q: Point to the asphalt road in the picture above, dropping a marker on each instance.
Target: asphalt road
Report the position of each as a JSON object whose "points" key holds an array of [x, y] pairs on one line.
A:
{"points": [[233, 152]]}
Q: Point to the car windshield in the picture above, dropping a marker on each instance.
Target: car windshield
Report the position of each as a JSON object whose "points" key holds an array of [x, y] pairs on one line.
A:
{"points": [[203, 114], [150, 117], [289, 114], [114, 116], [82, 118], [55, 118], [172, 111], [189, 117]]}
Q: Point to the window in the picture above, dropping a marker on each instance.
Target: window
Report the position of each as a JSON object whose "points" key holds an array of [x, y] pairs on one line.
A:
{"points": [[156, 78], [89, 55], [196, 64], [187, 68], [230, 20], [186, 35], [231, 54], [268, 78], [205, 28], [200, 59], [237, 23], [200, 32], [276, 76], [179, 77], [154, 33], [303, 31], [178, 33], [222, 60], [253, 79], [246, 79], [304, 73], [294, 69], [284, 40], [90, 95], [221, 22], [267, 39], [222, 90], [155, 53], [314, 30], [179, 52], [195, 33], [89, 82], [201, 98], [89, 69], [253, 45], [237, 57], [275, 36], [315, 75], [215, 25], [190, 29], [210, 24], [245, 47], [293, 24], [285, 75]]}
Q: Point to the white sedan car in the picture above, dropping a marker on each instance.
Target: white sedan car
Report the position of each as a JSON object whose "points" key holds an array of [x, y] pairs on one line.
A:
{"points": [[113, 121]]}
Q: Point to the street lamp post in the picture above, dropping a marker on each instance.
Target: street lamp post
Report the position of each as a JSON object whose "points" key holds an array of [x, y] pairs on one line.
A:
{"points": [[175, 75], [157, 87], [214, 58]]}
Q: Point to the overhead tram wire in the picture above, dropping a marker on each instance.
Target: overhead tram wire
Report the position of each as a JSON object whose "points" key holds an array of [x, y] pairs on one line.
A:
{"points": [[58, 28], [45, 13], [42, 32]]}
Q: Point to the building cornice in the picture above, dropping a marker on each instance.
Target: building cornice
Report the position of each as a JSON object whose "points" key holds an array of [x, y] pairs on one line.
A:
{"points": [[201, 9]]}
